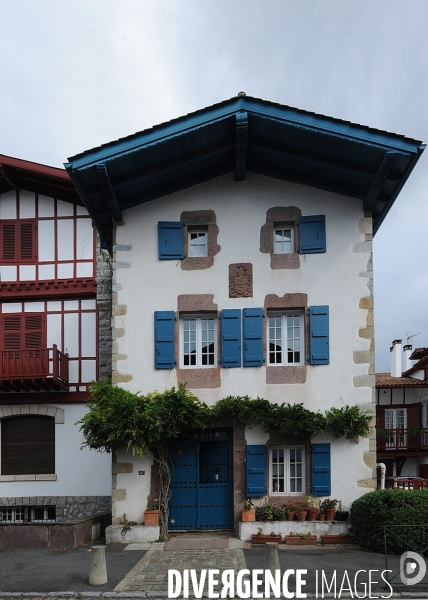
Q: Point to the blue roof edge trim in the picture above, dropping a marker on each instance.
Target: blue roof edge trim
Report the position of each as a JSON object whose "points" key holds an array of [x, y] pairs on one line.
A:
{"points": [[228, 108]]}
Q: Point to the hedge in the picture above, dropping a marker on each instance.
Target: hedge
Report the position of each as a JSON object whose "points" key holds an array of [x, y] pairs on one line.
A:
{"points": [[391, 507]]}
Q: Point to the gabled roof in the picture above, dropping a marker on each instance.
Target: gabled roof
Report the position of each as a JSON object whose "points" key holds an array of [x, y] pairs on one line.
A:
{"points": [[385, 380], [23, 174], [421, 364], [244, 134]]}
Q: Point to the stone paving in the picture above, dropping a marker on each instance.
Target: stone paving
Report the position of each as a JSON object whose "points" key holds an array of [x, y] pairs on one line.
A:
{"points": [[150, 574]]}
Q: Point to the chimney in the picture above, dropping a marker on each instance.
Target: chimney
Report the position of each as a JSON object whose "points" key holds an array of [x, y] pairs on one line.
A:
{"points": [[407, 351], [396, 358]]}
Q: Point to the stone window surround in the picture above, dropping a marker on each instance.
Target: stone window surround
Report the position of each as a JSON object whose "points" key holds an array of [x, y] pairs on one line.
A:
{"points": [[284, 215], [15, 410], [199, 219], [200, 378], [279, 374]]}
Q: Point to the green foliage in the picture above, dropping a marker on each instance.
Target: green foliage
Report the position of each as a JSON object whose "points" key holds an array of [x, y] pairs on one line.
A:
{"points": [[248, 504], [347, 422], [391, 507], [118, 418]]}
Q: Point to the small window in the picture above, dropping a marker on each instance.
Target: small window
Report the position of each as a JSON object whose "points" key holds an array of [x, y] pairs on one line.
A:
{"points": [[198, 243], [28, 514], [198, 342], [283, 242], [286, 338], [287, 470]]}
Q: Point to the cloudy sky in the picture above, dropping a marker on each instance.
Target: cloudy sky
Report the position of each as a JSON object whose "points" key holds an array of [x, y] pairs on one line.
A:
{"points": [[81, 73]]}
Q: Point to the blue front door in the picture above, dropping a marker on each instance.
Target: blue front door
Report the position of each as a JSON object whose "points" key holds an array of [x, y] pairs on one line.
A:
{"points": [[201, 482]]}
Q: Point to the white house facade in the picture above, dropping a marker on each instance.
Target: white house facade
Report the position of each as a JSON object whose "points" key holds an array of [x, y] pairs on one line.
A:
{"points": [[241, 239]]}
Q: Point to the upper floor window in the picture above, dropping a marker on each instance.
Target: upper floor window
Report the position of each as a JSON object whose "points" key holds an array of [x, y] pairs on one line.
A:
{"points": [[285, 338], [18, 241], [198, 342], [283, 239], [198, 242]]}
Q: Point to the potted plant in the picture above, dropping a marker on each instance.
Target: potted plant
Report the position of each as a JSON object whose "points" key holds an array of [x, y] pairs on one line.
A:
{"points": [[290, 510], [313, 505], [262, 538], [329, 508], [341, 538], [151, 514], [249, 512], [341, 515], [302, 510], [321, 516], [264, 512], [301, 539]]}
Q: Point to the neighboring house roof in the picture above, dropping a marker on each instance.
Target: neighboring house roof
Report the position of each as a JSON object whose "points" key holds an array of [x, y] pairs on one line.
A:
{"points": [[23, 174], [418, 353], [244, 134], [421, 364], [385, 380]]}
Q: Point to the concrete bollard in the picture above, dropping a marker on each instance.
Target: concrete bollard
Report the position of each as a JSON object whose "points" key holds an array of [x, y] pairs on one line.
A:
{"points": [[271, 558], [98, 569]]}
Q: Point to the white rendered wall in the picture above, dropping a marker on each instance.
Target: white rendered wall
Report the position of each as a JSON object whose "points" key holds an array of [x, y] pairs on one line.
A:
{"points": [[79, 472], [137, 486], [337, 278]]}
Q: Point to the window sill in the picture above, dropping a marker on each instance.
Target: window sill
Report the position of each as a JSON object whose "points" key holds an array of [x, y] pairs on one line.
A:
{"points": [[38, 477], [283, 375]]}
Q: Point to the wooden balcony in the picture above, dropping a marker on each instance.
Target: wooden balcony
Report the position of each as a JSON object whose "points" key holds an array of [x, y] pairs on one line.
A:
{"points": [[412, 441], [405, 483], [35, 370]]}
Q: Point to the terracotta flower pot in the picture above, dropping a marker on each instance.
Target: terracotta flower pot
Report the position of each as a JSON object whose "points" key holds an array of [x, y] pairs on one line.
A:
{"points": [[264, 539], [329, 513], [290, 516], [321, 517], [296, 540], [151, 517], [312, 514], [301, 515], [248, 515]]}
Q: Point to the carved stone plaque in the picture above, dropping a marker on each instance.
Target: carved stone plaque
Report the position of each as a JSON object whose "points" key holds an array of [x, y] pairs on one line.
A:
{"points": [[241, 280]]}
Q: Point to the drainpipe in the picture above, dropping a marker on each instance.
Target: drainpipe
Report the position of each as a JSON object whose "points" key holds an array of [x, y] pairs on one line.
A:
{"points": [[382, 474]]}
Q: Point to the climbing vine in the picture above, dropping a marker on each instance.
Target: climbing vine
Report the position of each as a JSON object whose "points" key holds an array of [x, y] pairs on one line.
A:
{"points": [[118, 418]]}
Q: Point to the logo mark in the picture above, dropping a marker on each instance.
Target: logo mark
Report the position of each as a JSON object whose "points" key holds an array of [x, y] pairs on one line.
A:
{"points": [[412, 568]]}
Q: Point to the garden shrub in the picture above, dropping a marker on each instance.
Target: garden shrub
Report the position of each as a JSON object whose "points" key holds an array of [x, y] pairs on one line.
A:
{"points": [[391, 507]]}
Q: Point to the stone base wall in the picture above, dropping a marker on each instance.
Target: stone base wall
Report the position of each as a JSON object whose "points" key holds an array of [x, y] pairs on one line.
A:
{"points": [[68, 508]]}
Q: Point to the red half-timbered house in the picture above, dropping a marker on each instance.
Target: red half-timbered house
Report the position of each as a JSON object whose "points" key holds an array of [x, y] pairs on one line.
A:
{"points": [[48, 349]]}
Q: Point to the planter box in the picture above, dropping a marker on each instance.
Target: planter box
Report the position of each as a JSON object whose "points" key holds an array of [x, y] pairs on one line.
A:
{"points": [[264, 539], [296, 540], [151, 517], [336, 539]]}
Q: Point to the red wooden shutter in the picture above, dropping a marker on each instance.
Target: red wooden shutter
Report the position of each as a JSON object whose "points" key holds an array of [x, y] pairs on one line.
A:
{"points": [[34, 331], [27, 445], [9, 241], [23, 332], [26, 241], [12, 332]]}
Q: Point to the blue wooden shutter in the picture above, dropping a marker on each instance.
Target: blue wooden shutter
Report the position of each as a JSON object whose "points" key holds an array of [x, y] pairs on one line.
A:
{"points": [[253, 337], [170, 240], [312, 234], [256, 471], [321, 475], [319, 335], [231, 337], [164, 339]]}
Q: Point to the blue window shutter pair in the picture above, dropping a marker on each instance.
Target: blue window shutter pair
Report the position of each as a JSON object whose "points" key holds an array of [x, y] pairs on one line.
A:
{"points": [[319, 335], [312, 234], [252, 337], [164, 339], [170, 240], [321, 471], [256, 471]]}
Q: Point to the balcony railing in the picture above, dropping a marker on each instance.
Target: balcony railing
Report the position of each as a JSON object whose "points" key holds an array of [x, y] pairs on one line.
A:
{"points": [[405, 483], [39, 369], [410, 439]]}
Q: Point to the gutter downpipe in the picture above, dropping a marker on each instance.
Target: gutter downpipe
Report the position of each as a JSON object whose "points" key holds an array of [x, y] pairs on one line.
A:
{"points": [[382, 474]]}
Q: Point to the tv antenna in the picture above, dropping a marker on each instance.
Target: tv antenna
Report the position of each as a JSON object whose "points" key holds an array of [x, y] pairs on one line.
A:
{"points": [[409, 336]]}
